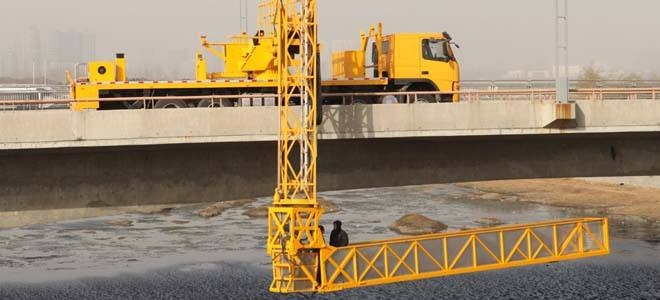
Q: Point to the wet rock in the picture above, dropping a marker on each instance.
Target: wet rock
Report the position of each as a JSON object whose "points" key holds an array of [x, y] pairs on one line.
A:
{"points": [[220, 207], [489, 222], [490, 196], [120, 222], [157, 211], [260, 212], [328, 206], [510, 199], [414, 224], [180, 222]]}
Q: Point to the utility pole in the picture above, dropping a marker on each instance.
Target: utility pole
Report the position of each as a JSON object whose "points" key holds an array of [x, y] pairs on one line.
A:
{"points": [[243, 7], [561, 50]]}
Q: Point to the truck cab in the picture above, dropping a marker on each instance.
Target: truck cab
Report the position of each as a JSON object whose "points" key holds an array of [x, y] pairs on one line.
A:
{"points": [[403, 62], [419, 62]]}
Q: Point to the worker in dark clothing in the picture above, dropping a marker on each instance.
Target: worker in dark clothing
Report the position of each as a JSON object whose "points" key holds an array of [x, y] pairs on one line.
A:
{"points": [[338, 237]]}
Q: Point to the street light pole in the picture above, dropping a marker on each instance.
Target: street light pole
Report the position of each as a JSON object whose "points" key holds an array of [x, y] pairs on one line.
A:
{"points": [[561, 50], [243, 8]]}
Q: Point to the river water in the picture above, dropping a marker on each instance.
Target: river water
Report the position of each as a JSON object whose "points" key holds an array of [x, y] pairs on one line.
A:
{"points": [[176, 255]]}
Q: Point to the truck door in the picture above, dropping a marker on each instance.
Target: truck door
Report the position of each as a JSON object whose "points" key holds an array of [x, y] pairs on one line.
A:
{"points": [[437, 63], [383, 57]]}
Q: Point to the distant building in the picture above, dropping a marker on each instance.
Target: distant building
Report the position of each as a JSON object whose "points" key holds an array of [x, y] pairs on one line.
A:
{"points": [[9, 63], [65, 49]]}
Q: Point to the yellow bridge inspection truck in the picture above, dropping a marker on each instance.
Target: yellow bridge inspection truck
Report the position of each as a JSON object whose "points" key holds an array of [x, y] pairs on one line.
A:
{"points": [[400, 62]]}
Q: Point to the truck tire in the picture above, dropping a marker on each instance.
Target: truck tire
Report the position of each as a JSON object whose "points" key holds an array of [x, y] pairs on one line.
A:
{"points": [[170, 104], [425, 99], [137, 104], [446, 98], [389, 99], [216, 103]]}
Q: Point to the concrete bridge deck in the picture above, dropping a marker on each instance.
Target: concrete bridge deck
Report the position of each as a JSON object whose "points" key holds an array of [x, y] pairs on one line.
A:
{"points": [[68, 129]]}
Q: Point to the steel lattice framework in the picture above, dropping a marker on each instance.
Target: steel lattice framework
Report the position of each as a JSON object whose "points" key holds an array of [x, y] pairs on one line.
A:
{"points": [[294, 239], [437, 255]]}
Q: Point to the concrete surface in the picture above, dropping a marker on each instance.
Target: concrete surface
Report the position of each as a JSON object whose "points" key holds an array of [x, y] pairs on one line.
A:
{"points": [[152, 175], [66, 129]]}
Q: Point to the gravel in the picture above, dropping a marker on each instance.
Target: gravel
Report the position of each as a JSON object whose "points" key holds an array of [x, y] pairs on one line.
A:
{"points": [[592, 279]]}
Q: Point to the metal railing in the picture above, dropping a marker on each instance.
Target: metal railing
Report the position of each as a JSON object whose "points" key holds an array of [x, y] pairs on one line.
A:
{"points": [[550, 84], [32, 96], [524, 94], [146, 102], [469, 251], [57, 101]]}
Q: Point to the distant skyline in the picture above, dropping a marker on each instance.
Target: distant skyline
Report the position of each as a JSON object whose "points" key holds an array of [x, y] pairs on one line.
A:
{"points": [[161, 36]]}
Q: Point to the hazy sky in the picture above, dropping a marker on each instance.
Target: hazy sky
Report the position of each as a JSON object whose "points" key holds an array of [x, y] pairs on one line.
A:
{"points": [[495, 36]]}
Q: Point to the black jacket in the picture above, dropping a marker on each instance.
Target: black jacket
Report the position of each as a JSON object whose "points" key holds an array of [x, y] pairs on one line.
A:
{"points": [[338, 238]]}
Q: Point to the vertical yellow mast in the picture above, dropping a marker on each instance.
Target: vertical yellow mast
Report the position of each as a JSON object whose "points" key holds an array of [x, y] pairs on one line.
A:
{"points": [[294, 239]]}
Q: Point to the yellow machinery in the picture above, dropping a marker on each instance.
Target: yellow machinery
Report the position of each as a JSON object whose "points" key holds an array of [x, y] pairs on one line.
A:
{"points": [[400, 62], [245, 57], [303, 263], [294, 238]]}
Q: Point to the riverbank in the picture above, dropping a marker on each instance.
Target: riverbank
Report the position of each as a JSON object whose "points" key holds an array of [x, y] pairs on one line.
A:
{"points": [[596, 197]]}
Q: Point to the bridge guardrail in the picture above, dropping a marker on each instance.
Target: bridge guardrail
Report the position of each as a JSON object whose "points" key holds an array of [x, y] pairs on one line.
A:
{"points": [[349, 98], [510, 84], [525, 94]]}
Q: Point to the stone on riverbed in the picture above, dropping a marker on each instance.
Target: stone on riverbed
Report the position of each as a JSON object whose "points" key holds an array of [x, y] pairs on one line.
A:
{"points": [[489, 222], [328, 206], [415, 224], [119, 222], [260, 212], [220, 207]]}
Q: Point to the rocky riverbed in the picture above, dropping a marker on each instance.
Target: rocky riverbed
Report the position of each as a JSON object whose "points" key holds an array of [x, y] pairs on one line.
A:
{"points": [[176, 254]]}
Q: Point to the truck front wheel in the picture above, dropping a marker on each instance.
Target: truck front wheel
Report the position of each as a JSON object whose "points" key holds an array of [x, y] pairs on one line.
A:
{"points": [[170, 104]]}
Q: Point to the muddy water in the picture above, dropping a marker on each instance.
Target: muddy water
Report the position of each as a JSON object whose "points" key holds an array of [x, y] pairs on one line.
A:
{"points": [[94, 247]]}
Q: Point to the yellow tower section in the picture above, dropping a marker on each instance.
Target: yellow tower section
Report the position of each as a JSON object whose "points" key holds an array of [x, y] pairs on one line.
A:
{"points": [[294, 238]]}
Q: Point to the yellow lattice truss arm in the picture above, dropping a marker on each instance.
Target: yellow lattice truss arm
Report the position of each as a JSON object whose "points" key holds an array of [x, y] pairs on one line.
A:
{"points": [[437, 255]]}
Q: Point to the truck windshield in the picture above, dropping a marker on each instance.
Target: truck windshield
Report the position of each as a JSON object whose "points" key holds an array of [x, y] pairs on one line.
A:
{"points": [[434, 49]]}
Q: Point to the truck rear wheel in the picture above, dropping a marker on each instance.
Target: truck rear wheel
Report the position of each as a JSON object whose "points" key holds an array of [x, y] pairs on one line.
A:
{"points": [[425, 99], [215, 103], [170, 104], [389, 99], [446, 98]]}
